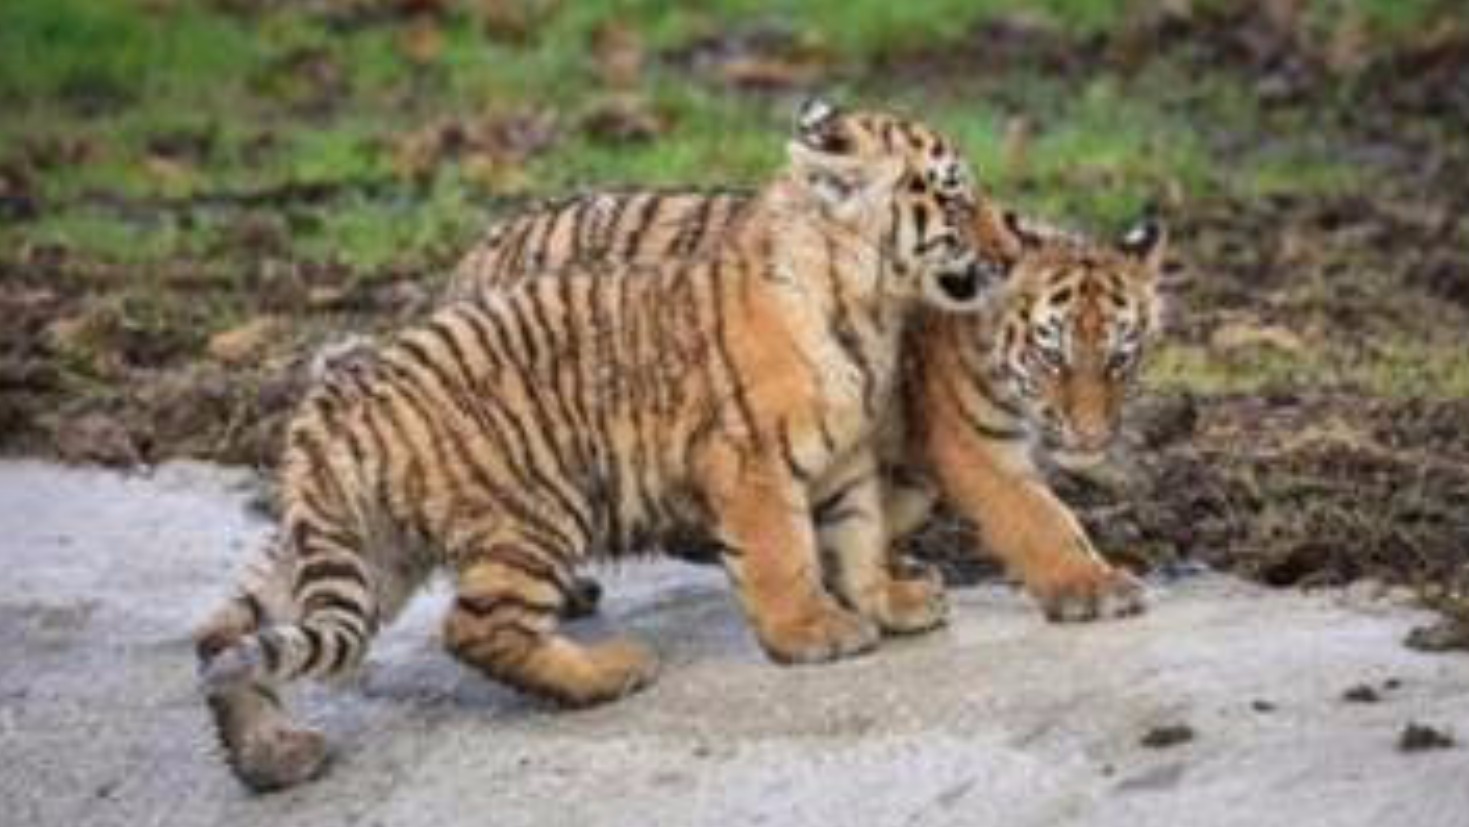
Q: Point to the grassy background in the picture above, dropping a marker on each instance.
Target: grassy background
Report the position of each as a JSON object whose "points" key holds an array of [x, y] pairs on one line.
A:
{"points": [[152, 109], [176, 169], [195, 192]]}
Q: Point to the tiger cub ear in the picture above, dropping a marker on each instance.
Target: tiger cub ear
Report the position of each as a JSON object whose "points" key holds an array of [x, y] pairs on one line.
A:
{"points": [[819, 125], [1022, 234], [819, 154], [1146, 241], [994, 227]]}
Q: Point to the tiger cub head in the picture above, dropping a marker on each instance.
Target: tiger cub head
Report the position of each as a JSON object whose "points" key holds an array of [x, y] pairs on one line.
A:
{"points": [[882, 176], [1070, 328]]}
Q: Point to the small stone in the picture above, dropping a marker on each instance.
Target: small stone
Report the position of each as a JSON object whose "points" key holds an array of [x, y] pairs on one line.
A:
{"points": [[1440, 636], [1361, 694], [1418, 737], [1168, 735]]}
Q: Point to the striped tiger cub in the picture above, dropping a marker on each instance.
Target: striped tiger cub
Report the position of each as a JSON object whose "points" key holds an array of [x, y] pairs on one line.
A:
{"points": [[504, 440], [1048, 363]]}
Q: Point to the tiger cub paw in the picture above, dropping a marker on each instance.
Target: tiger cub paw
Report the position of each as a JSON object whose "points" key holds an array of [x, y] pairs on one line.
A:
{"points": [[1095, 591], [280, 758], [615, 668], [819, 635], [911, 605]]}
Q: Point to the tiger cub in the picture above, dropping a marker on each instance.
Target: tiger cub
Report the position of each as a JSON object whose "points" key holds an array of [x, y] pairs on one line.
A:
{"points": [[505, 440], [1049, 362]]}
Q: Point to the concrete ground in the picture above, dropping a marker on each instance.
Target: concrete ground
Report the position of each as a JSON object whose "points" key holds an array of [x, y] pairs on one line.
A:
{"points": [[1001, 719]]}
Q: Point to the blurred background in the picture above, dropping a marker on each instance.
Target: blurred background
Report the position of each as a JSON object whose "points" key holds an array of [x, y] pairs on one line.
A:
{"points": [[193, 193]]}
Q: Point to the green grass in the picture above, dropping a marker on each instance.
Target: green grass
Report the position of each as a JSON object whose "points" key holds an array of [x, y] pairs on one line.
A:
{"points": [[1099, 151], [373, 234], [78, 50], [1402, 369]]}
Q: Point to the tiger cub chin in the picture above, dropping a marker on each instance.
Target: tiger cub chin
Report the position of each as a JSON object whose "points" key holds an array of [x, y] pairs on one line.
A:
{"points": [[505, 440], [1046, 367]]}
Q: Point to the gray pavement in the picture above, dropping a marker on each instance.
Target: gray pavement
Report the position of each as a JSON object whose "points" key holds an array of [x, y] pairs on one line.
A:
{"points": [[1001, 719]]}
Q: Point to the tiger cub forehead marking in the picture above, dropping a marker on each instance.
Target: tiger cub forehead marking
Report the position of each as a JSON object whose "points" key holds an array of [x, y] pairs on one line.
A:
{"points": [[881, 133]]}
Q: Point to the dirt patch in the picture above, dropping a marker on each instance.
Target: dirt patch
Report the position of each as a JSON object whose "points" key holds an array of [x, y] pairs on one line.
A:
{"points": [[1301, 491]]}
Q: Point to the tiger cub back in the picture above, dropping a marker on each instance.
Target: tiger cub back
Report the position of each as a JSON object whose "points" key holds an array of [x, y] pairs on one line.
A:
{"points": [[630, 226]]}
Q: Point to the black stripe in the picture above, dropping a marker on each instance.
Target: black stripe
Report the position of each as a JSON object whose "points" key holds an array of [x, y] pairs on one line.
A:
{"points": [[992, 432], [788, 452], [568, 377], [348, 642], [538, 244], [578, 224], [554, 571], [645, 219], [324, 600], [726, 356], [510, 261], [308, 531], [1005, 406], [314, 646], [270, 649], [834, 500], [976, 420], [384, 451], [321, 570], [253, 606], [692, 231], [482, 606], [642, 351], [606, 479], [318, 469], [613, 228]]}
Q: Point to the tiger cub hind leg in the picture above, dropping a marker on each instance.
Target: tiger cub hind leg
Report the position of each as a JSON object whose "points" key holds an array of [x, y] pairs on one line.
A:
{"points": [[851, 525], [264, 748], [262, 745], [503, 623]]}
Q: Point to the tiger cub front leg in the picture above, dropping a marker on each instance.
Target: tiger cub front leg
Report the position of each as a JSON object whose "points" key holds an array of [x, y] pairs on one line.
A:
{"points": [[1033, 533], [768, 547], [852, 523]]}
